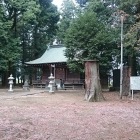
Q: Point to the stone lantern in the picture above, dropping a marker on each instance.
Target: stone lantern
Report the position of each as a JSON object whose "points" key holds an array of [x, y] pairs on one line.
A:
{"points": [[11, 78], [51, 83]]}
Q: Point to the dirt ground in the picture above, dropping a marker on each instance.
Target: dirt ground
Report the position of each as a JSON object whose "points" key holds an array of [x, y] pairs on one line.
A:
{"points": [[65, 115]]}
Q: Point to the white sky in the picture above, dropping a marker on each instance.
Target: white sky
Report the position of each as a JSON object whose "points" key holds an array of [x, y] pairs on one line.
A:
{"points": [[57, 3]]}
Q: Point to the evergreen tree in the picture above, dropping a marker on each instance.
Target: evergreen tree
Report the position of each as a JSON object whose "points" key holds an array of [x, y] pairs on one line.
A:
{"points": [[45, 28], [91, 36], [67, 13], [88, 39], [26, 28], [132, 35]]}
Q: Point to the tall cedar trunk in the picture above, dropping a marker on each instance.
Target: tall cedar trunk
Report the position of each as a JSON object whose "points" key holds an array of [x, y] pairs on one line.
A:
{"points": [[23, 53], [92, 82], [35, 42], [11, 68], [4, 79], [15, 34], [23, 47]]}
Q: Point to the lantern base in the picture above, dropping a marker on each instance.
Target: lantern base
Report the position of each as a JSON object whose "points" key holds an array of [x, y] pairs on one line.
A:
{"points": [[10, 91]]}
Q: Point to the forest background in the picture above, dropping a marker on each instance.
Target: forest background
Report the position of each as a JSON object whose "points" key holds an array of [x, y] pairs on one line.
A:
{"points": [[90, 28]]}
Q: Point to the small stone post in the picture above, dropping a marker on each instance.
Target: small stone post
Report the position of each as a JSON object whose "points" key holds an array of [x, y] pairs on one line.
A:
{"points": [[11, 78], [26, 86], [51, 83], [126, 81]]}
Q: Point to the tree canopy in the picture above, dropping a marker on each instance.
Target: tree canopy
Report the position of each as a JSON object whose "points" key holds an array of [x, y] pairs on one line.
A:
{"points": [[100, 37], [90, 30], [26, 27], [67, 14], [13, 15], [89, 37], [132, 37]]}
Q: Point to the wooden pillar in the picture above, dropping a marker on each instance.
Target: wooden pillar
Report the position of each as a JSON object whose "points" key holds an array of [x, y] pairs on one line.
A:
{"points": [[92, 81]]}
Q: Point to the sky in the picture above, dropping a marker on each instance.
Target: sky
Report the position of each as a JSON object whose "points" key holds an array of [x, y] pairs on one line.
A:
{"points": [[57, 3]]}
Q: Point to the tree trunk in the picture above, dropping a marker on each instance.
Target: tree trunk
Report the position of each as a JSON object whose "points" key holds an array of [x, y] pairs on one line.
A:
{"points": [[92, 82], [5, 79]]}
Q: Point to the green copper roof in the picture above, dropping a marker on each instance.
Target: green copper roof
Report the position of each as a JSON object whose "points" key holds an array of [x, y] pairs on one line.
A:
{"points": [[54, 54]]}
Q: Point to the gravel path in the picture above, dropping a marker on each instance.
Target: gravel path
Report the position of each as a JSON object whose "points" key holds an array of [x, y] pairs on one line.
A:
{"points": [[37, 115]]}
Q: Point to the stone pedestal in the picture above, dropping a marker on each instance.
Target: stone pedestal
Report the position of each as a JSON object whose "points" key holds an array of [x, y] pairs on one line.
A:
{"points": [[26, 86]]}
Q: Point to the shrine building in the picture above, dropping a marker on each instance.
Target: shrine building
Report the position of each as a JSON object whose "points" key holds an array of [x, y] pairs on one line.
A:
{"points": [[54, 61]]}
